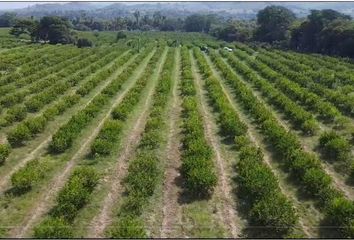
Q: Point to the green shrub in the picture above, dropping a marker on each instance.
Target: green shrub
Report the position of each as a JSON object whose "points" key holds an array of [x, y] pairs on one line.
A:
{"points": [[128, 227], [18, 135], [53, 228], [101, 147], [335, 146], [275, 212], [84, 42], [30, 174], [36, 124], [5, 150], [241, 141], [75, 193], [314, 180]]}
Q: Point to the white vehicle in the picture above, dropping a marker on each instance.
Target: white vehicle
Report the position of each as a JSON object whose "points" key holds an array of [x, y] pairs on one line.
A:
{"points": [[228, 49]]}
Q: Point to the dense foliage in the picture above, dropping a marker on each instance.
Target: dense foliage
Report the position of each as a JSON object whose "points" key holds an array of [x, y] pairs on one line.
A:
{"points": [[197, 166], [143, 171], [306, 167], [258, 187]]}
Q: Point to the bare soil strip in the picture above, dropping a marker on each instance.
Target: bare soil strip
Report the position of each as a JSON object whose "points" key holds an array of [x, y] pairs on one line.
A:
{"points": [[45, 201], [101, 221], [338, 181], [227, 213], [252, 133], [171, 210], [4, 181]]}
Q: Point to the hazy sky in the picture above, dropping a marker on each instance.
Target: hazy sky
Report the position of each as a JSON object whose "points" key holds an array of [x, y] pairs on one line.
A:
{"points": [[16, 5]]}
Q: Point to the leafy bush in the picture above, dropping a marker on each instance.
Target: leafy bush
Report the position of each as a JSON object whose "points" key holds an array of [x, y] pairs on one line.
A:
{"points": [[18, 135], [53, 228], [75, 193], [334, 146], [5, 150], [241, 141], [276, 213], [84, 42], [128, 227], [30, 174], [120, 35]]}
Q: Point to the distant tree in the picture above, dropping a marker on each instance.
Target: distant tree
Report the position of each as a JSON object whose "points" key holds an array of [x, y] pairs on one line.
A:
{"points": [[55, 30], [274, 23], [120, 35], [137, 18], [7, 19], [325, 31], [234, 31], [198, 23], [84, 42], [25, 26]]}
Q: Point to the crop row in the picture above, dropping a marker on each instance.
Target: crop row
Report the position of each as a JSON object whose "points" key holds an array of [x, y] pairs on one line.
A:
{"points": [[43, 79], [62, 59], [341, 101], [64, 137], [30, 73], [34, 125], [298, 93], [333, 72], [60, 215], [9, 61], [228, 119], [258, 186], [143, 171], [324, 76], [304, 166], [109, 134], [48, 94], [74, 195], [25, 174], [197, 164], [295, 113]]}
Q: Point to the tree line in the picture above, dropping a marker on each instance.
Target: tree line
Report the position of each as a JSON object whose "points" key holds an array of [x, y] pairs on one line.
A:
{"points": [[322, 31]]}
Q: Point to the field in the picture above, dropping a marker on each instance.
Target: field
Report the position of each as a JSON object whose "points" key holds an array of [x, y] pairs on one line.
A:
{"points": [[150, 136]]}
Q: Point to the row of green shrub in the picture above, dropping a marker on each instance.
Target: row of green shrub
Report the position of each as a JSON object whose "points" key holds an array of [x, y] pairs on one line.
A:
{"points": [[198, 169], [29, 128], [29, 72], [343, 102], [60, 84], [333, 74], [305, 167], [72, 197], [299, 117], [110, 132], [64, 137], [298, 92], [10, 60], [143, 172], [36, 82], [63, 214], [228, 119], [258, 187], [334, 147], [34, 125]]}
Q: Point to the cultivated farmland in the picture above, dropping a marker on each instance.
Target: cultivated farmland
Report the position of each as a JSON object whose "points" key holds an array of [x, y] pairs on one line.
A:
{"points": [[171, 135]]}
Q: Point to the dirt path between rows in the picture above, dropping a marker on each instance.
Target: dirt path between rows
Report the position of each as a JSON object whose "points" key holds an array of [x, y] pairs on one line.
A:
{"points": [[338, 182], [171, 210], [47, 198], [227, 214], [252, 132], [101, 221], [5, 180]]}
